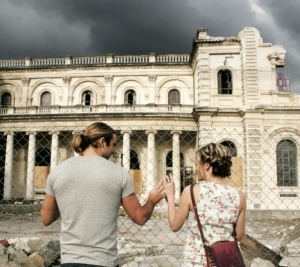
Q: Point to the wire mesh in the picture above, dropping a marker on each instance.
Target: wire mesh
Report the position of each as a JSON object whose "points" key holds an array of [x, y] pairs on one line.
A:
{"points": [[265, 167]]}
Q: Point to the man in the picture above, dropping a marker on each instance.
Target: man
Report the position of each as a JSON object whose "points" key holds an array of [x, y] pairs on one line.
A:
{"points": [[86, 192]]}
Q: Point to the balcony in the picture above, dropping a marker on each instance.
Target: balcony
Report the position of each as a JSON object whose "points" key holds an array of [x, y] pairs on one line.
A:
{"points": [[96, 109]]}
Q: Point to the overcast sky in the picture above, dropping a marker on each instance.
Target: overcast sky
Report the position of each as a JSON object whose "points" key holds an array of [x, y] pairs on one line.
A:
{"points": [[56, 28]]}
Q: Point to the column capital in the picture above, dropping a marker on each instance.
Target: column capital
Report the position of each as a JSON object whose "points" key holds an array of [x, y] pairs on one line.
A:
{"points": [[151, 131], [176, 132], [31, 133], [126, 131], [54, 132], [9, 133]]}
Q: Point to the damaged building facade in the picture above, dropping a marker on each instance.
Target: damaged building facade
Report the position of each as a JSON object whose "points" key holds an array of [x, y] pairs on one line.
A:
{"points": [[230, 90]]}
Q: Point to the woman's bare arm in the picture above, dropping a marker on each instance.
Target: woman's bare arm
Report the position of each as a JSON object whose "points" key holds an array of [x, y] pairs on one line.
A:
{"points": [[177, 216], [241, 220]]}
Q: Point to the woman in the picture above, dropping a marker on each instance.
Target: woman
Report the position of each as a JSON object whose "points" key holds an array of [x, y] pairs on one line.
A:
{"points": [[221, 207], [86, 192]]}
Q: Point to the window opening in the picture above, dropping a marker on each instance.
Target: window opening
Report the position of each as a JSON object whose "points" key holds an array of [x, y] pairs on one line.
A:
{"points": [[283, 79], [224, 82], [42, 157], [6, 100], [286, 153], [87, 98], [130, 97], [174, 97], [134, 160], [46, 99]]}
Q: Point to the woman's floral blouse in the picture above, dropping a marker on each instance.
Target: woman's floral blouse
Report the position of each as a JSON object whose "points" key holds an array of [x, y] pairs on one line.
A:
{"points": [[218, 209]]}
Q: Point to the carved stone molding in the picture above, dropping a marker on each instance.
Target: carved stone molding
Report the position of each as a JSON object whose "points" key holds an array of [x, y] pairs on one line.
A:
{"points": [[152, 78], [277, 58], [25, 81], [66, 79], [109, 78]]}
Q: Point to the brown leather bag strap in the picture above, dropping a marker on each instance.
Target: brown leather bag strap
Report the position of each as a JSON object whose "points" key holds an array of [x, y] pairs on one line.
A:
{"points": [[196, 214], [199, 226]]}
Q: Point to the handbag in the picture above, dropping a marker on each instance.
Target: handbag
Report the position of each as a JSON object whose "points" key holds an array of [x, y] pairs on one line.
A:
{"points": [[220, 254]]}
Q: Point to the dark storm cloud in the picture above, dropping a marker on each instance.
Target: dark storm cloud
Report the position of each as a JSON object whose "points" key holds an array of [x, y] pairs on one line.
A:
{"points": [[55, 28], [118, 27], [286, 21], [285, 14]]}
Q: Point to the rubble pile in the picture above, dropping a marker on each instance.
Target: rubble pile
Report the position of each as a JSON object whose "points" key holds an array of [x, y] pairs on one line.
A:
{"points": [[32, 252], [28, 252]]}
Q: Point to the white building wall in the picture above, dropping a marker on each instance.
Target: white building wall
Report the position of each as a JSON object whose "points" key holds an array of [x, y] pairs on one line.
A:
{"points": [[252, 117]]}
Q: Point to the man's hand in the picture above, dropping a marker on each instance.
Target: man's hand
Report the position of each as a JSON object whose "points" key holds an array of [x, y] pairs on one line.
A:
{"points": [[157, 193]]}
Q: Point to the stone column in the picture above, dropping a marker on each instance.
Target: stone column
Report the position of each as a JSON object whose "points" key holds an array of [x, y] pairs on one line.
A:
{"points": [[30, 165], [8, 165], [176, 163], [54, 148], [151, 166], [126, 149]]}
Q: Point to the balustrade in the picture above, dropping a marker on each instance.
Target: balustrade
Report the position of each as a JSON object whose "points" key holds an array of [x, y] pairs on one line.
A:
{"points": [[96, 109], [139, 59]]}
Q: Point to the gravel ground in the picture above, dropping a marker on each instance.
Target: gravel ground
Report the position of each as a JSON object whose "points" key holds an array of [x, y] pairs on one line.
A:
{"points": [[156, 231]]}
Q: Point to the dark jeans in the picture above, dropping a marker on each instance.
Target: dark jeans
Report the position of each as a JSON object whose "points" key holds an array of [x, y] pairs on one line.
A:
{"points": [[80, 265]]}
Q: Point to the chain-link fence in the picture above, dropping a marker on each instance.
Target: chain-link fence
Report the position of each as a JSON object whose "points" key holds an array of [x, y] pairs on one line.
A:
{"points": [[265, 167]]}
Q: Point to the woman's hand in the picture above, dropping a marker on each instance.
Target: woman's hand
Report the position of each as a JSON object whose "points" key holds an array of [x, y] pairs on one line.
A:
{"points": [[169, 186], [177, 217]]}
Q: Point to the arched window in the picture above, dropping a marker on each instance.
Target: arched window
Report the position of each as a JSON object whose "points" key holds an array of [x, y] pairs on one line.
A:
{"points": [[169, 159], [231, 148], [224, 82], [6, 100], [134, 160], [46, 99], [174, 97], [42, 157], [286, 159], [87, 98], [130, 97]]}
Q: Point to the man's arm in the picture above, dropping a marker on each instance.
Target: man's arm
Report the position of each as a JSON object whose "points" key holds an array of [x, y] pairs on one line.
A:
{"points": [[49, 211], [141, 214]]}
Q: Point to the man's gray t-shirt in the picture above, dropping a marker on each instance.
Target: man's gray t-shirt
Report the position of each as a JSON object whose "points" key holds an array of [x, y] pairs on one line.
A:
{"points": [[88, 191]]}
